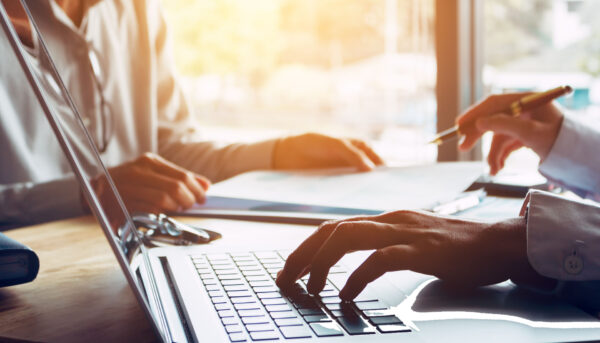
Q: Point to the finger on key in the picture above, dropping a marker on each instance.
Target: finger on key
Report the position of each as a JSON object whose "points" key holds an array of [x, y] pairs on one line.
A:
{"points": [[392, 258], [351, 236]]}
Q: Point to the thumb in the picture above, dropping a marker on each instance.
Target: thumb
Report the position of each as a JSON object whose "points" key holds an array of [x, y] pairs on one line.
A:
{"points": [[507, 125]]}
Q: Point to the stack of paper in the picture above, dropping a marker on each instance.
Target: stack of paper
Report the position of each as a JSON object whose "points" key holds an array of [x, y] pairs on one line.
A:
{"points": [[340, 191]]}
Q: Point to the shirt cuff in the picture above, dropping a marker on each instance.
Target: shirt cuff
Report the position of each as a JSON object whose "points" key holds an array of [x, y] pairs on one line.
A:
{"points": [[561, 236], [573, 160], [31, 203]]}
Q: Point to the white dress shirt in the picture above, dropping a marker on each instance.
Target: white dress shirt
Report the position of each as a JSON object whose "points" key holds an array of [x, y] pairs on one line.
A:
{"points": [[563, 235], [151, 113]]}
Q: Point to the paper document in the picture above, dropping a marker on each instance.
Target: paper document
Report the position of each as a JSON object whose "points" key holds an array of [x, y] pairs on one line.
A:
{"points": [[385, 188]]}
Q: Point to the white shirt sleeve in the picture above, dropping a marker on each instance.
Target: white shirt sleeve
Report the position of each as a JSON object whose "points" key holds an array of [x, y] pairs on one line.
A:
{"points": [[563, 237], [29, 203], [574, 160]]}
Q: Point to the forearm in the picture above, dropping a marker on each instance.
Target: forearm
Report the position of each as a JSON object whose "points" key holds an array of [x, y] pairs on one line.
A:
{"points": [[218, 163]]}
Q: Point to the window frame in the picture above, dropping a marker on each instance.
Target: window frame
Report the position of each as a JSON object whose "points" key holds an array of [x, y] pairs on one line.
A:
{"points": [[459, 55]]}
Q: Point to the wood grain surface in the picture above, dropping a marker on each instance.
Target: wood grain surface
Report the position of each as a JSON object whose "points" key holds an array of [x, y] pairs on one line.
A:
{"points": [[79, 295]]}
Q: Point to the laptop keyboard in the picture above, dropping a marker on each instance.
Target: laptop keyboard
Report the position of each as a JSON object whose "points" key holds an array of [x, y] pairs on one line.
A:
{"points": [[242, 289]]}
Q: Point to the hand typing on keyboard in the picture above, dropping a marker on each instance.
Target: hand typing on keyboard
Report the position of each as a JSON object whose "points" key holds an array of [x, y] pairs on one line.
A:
{"points": [[467, 253]]}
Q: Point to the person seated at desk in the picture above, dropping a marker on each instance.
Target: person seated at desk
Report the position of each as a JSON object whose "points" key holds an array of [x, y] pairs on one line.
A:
{"points": [[553, 240], [115, 59]]}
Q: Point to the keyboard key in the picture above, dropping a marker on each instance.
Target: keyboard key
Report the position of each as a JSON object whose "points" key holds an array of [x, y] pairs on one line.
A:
{"points": [[205, 276], [258, 278], [332, 307], [250, 268], [310, 311], [225, 313], [273, 301], [261, 283], [269, 295], [251, 313], [211, 281], [237, 337], [234, 282], [212, 288], [260, 327], [247, 263], [255, 320], [273, 264], [317, 318], [230, 320], [295, 332], [392, 328], [386, 320], [247, 306], [288, 321], [265, 289], [254, 273], [266, 254], [264, 336], [222, 267], [233, 328], [281, 315], [217, 263], [326, 329], [218, 293], [236, 288], [378, 313], [222, 306], [230, 277], [356, 325], [278, 308], [243, 300], [328, 293], [344, 312], [203, 270], [218, 300], [371, 305], [237, 294], [331, 300]]}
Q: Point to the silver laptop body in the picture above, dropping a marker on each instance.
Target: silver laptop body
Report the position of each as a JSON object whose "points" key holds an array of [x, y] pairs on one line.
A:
{"points": [[225, 292]]}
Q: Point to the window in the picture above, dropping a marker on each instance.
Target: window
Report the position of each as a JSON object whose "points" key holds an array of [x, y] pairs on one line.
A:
{"points": [[540, 44], [260, 68]]}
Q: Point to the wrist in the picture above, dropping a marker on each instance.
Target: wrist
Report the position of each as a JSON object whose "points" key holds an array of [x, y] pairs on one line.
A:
{"points": [[276, 159]]}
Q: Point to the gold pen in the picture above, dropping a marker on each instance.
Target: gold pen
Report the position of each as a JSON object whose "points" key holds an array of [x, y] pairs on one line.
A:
{"points": [[516, 108]]}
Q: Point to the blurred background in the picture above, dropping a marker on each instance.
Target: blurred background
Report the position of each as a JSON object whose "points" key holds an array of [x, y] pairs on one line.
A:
{"points": [[367, 68]]}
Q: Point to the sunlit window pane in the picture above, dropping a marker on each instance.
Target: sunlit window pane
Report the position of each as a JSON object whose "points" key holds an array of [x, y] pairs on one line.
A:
{"points": [[255, 69], [540, 44]]}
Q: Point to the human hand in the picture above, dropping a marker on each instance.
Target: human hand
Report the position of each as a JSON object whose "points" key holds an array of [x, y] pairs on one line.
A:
{"points": [[465, 253], [313, 150], [536, 129], [153, 184]]}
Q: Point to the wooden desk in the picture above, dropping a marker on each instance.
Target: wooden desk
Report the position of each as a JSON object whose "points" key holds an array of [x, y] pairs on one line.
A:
{"points": [[81, 295]]}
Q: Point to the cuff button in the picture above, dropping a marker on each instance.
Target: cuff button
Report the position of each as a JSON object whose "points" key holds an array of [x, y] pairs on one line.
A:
{"points": [[573, 264]]}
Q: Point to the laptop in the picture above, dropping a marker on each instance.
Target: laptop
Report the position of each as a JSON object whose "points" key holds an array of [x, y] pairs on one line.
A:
{"points": [[225, 292]]}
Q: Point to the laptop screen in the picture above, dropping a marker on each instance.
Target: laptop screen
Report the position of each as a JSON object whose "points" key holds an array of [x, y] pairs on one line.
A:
{"points": [[33, 65]]}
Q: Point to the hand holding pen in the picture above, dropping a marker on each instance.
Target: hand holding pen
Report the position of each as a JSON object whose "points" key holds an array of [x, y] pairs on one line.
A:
{"points": [[517, 120]]}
